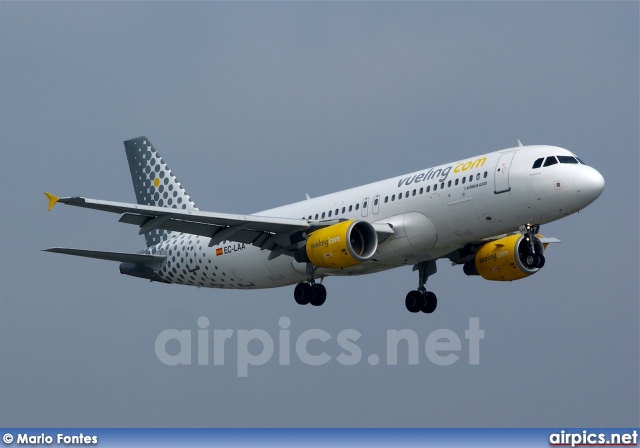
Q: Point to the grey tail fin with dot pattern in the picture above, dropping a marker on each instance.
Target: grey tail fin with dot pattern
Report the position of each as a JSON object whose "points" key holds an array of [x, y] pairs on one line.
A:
{"points": [[154, 183]]}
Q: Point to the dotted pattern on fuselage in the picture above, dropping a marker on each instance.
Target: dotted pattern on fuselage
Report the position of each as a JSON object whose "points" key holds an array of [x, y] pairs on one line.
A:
{"points": [[191, 262]]}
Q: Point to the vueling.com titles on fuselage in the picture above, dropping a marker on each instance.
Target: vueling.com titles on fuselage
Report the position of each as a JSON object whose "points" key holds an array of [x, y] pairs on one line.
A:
{"points": [[441, 174]]}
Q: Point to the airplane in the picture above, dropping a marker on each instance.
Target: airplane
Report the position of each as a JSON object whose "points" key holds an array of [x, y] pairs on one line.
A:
{"points": [[483, 213]]}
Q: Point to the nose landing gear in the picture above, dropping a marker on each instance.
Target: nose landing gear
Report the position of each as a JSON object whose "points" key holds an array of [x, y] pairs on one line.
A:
{"points": [[532, 259]]}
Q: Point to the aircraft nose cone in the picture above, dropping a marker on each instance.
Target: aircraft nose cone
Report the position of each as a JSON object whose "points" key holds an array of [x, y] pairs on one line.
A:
{"points": [[589, 183]]}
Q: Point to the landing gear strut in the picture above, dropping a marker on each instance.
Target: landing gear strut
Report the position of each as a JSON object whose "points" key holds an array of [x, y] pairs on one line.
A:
{"points": [[310, 291], [421, 299], [533, 258]]}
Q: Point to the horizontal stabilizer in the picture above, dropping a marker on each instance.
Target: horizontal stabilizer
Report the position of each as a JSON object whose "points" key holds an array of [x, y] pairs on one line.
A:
{"points": [[145, 259]]}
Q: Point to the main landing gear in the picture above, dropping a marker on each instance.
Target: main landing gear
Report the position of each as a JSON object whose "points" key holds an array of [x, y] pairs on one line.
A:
{"points": [[421, 299], [310, 291], [532, 258]]}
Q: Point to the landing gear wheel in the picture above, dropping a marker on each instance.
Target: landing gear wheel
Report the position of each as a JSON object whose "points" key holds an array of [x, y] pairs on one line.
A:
{"points": [[319, 294], [531, 260], [303, 293], [414, 301], [430, 303]]}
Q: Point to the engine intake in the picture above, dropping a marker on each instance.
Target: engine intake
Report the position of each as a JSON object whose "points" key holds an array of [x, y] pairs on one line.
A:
{"points": [[341, 245]]}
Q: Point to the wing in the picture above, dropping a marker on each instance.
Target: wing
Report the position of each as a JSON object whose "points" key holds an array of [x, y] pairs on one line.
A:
{"points": [[279, 234]]}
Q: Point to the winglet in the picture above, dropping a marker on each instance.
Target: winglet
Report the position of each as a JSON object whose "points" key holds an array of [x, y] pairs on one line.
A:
{"points": [[520, 143], [52, 200]]}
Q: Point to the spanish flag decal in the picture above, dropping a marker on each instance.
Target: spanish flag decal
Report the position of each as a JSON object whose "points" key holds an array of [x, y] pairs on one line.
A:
{"points": [[218, 251]]}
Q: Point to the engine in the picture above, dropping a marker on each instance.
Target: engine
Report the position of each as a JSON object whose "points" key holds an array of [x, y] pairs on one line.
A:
{"points": [[341, 245], [507, 259]]}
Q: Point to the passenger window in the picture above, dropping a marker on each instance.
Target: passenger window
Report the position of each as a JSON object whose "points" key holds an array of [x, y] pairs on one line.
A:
{"points": [[400, 196], [428, 188], [357, 206], [478, 176], [309, 216], [344, 209], [350, 207], [421, 190], [537, 163], [375, 201], [449, 184], [386, 199], [435, 187], [364, 205], [464, 179], [329, 215], [471, 178], [550, 161], [414, 192], [456, 182], [316, 216], [441, 185], [406, 195], [393, 197], [322, 215], [485, 174], [567, 159]]}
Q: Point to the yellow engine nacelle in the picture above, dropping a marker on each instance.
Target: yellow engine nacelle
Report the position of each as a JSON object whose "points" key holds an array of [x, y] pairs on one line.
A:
{"points": [[342, 245], [506, 259]]}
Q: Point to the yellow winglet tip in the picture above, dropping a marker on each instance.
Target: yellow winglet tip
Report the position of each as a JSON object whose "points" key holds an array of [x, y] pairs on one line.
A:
{"points": [[52, 200]]}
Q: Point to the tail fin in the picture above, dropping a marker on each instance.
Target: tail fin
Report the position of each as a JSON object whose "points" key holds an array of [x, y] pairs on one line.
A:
{"points": [[154, 183]]}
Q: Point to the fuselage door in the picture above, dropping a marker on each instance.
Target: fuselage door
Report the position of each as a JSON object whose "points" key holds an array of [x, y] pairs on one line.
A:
{"points": [[501, 175], [376, 204], [365, 207]]}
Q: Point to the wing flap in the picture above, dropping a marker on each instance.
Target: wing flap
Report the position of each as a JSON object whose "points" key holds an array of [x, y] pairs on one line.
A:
{"points": [[195, 228]]}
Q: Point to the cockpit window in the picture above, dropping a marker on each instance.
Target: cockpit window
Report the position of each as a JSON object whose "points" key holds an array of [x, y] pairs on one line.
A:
{"points": [[537, 163], [550, 161], [567, 159], [580, 160]]}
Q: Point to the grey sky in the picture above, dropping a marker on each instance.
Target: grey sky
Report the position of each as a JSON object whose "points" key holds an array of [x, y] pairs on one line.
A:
{"points": [[253, 105]]}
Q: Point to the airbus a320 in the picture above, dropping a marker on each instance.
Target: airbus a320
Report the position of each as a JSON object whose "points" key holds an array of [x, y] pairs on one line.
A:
{"points": [[483, 213]]}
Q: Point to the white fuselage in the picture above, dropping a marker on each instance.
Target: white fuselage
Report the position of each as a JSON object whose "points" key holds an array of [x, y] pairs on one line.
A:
{"points": [[433, 212]]}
